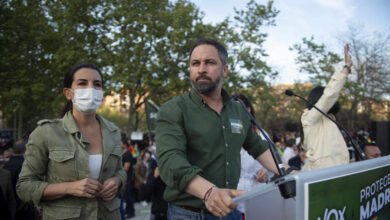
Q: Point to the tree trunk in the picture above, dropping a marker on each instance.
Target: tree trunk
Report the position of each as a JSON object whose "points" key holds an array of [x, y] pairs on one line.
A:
{"points": [[130, 123]]}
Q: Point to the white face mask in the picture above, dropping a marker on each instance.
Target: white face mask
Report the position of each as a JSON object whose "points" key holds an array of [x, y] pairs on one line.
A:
{"points": [[87, 100]]}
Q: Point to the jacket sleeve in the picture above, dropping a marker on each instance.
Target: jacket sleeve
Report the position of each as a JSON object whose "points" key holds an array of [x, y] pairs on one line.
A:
{"points": [[327, 100], [31, 184], [171, 144]]}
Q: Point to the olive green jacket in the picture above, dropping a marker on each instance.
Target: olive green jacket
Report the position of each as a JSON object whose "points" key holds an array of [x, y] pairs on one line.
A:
{"points": [[57, 152]]}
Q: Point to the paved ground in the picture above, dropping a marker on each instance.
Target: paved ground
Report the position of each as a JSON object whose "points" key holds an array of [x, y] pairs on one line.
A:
{"points": [[141, 212]]}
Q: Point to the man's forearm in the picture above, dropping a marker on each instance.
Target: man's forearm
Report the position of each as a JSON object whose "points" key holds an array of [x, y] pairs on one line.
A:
{"points": [[267, 161], [198, 186]]}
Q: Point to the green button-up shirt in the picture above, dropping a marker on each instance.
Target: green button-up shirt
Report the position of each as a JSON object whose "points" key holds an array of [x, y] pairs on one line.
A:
{"points": [[194, 139], [57, 152]]}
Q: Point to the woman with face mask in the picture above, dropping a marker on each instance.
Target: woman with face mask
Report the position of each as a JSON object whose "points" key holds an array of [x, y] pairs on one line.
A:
{"points": [[72, 166]]}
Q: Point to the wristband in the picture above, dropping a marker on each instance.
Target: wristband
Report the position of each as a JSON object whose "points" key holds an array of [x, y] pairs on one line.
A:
{"points": [[207, 194], [348, 68]]}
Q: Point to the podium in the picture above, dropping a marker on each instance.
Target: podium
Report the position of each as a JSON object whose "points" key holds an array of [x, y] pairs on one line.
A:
{"points": [[359, 190]]}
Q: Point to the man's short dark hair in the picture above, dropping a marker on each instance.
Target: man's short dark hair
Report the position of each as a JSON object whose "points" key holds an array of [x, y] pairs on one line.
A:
{"points": [[223, 55], [366, 144], [290, 142]]}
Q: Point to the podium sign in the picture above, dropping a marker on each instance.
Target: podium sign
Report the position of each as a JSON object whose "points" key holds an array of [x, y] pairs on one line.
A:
{"points": [[364, 195], [359, 190]]}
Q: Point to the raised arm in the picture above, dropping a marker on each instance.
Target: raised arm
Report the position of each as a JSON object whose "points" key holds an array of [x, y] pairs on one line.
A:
{"points": [[331, 92]]}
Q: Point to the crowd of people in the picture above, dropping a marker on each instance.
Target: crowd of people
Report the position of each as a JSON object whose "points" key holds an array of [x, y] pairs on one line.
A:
{"points": [[206, 151], [144, 184]]}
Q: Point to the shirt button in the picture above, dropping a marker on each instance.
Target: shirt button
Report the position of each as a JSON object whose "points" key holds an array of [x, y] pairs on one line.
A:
{"points": [[227, 182], [223, 126], [227, 163], [226, 145]]}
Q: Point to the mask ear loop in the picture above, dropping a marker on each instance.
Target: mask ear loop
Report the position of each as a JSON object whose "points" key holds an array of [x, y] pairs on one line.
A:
{"points": [[70, 89]]}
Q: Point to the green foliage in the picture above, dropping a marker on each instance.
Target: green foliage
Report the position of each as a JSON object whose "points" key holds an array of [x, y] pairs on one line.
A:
{"points": [[367, 86], [114, 116], [316, 60], [141, 46]]}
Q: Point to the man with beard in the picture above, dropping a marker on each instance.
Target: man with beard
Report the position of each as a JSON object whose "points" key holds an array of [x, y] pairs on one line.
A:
{"points": [[199, 137]]}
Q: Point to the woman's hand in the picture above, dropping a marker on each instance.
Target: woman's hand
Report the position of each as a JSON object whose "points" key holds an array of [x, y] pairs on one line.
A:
{"points": [[110, 188], [262, 175], [87, 187]]}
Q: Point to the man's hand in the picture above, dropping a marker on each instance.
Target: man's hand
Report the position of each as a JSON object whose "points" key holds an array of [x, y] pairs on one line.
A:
{"points": [[110, 188], [87, 187], [347, 57], [220, 202], [262, 175]]}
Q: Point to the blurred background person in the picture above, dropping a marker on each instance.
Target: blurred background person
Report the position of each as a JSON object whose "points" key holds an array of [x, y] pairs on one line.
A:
{"points": [[252, 172], [7, 196], [298, 160], [24, 210], [141, 172], [289, 151], [128, 166], [371, 150], [159, 205]]}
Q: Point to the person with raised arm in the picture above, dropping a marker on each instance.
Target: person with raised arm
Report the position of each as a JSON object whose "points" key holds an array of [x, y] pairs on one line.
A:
{"points": [[322, 141]]}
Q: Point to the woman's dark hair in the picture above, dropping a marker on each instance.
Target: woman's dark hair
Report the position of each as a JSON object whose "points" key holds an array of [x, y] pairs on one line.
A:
{"points": [[246, 102], [68, 80], [144, 152], [316, 94]]}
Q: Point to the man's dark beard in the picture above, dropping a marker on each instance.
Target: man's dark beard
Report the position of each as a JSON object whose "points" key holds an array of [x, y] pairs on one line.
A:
{"points": [[205, 87]]}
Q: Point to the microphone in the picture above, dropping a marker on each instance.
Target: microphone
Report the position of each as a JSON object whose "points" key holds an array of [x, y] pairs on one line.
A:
{"points": [[287, 189], [289, 92], [356, 147]]}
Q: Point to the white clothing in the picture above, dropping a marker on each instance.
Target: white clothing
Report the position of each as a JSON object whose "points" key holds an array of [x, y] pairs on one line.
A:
{"points": [[249, 169], [95, 163], [323, 143], [288, 153]]}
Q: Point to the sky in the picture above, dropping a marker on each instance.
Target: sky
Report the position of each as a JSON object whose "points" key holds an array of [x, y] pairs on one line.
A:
{"points": [[325, 20]]}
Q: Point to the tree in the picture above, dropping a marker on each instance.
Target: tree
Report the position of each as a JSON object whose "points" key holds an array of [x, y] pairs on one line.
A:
{"points": [[25, 52], [142, 47], [149, 47], [34, 61], [369, 82], [152, 39]]}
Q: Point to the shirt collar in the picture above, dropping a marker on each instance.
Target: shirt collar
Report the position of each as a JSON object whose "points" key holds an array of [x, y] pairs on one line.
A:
{"points": [[199, 100]]}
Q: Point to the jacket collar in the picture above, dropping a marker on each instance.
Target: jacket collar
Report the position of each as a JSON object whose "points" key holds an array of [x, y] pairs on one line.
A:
{"points": [[70, 125]]}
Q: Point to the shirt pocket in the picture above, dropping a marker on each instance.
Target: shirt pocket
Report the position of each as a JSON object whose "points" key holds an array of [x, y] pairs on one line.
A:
{"points": [[111, 165], [62, 164], [112, 205], [61, 212]]}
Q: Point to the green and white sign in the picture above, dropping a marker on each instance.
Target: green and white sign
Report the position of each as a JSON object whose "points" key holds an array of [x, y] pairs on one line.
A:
{"points": [[362, 195]]}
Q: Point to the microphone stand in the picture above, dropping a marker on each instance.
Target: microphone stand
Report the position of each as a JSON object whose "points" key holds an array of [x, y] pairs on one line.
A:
{"points": [[287, 189], [356, 147]]}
